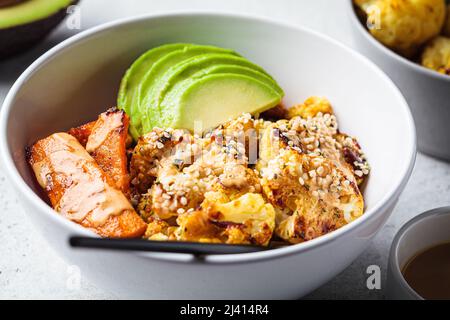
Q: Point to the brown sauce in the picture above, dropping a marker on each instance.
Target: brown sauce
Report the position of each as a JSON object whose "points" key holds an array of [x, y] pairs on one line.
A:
{"points": [[428, 273]]}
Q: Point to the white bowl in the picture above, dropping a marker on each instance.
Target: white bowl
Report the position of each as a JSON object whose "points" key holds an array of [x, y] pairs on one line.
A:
{"points": [[427, 91], [79, 78]]}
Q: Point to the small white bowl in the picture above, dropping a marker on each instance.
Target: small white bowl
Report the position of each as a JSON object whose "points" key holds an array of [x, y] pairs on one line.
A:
{"points": [[78, 79], [421, 233], [427, 91]]}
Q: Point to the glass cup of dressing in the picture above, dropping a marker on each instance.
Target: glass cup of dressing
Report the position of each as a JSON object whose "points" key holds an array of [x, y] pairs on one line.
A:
{"points": [[419, 261]]}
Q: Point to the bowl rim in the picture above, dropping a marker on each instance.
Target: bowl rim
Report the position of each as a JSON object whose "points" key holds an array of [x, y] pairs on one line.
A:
{"points": [[387, 200], [394, 252], [389, 52]]}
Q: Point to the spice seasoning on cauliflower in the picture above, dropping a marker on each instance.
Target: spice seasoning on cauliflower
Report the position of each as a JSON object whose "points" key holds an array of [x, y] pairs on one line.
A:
{"points": [[303, 184], [404, 25], [311, 172], [203, 188]]}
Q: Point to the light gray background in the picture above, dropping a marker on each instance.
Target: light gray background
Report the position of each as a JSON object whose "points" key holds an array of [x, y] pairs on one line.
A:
{"points": [[30, 269]]}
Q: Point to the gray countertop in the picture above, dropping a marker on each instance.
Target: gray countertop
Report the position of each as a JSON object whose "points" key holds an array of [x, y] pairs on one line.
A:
{"points": [[30, 269]]}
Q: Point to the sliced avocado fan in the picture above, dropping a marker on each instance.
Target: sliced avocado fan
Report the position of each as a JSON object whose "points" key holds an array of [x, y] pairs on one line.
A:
{"points": [[180, 86], [153, 83], [129, 87], [214, 99], [169, 86], [179, 73]]}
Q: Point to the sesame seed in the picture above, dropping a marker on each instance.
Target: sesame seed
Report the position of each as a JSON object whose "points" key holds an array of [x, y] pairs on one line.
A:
{"points": [[320, 170], [302, 182], [359, 173]]}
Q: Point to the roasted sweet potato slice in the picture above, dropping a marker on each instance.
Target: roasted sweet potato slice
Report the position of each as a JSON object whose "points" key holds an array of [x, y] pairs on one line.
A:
{"points": [[83, 132], [105, 139], [80, 190], [107, 145]]}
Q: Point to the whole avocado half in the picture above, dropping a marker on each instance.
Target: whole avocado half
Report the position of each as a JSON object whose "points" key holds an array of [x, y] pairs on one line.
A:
{"points": [[23, 23]]}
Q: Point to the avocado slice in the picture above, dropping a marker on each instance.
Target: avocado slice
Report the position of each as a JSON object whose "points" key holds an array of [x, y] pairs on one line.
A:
{"points": [[181, 86], [182, 71], [261, 76], [24, 23], [223, 68], [153, 84], [129, 88], [216, 98]]}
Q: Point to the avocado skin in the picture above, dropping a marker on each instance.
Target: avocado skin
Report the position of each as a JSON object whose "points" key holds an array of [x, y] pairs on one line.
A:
{"points": [[7, 3], [17, 39]]}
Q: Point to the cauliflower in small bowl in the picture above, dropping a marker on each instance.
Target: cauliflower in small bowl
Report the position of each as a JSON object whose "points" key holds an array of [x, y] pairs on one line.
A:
{"points": [[436, 55], [404, 25], [410, 41], [411, 28]]}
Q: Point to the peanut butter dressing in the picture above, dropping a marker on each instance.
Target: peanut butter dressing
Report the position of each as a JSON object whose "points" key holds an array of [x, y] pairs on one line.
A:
{"points": [[88, 194]]}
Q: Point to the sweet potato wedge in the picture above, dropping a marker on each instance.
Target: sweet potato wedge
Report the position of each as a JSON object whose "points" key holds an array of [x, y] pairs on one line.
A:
{"points": [[83, 132], [80, 190], [107, 145]]}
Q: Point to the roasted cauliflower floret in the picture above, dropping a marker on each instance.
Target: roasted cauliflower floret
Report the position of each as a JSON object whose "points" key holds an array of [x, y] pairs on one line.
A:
{"points": [[147, 154], [184, 182], [317, 135], [304, 183], [251, 212], [310, 108], [437, 55], [313, 195], [446, 29], [246, 220], [404, 25], [159, 230], [178, 190], [310, 172]]}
